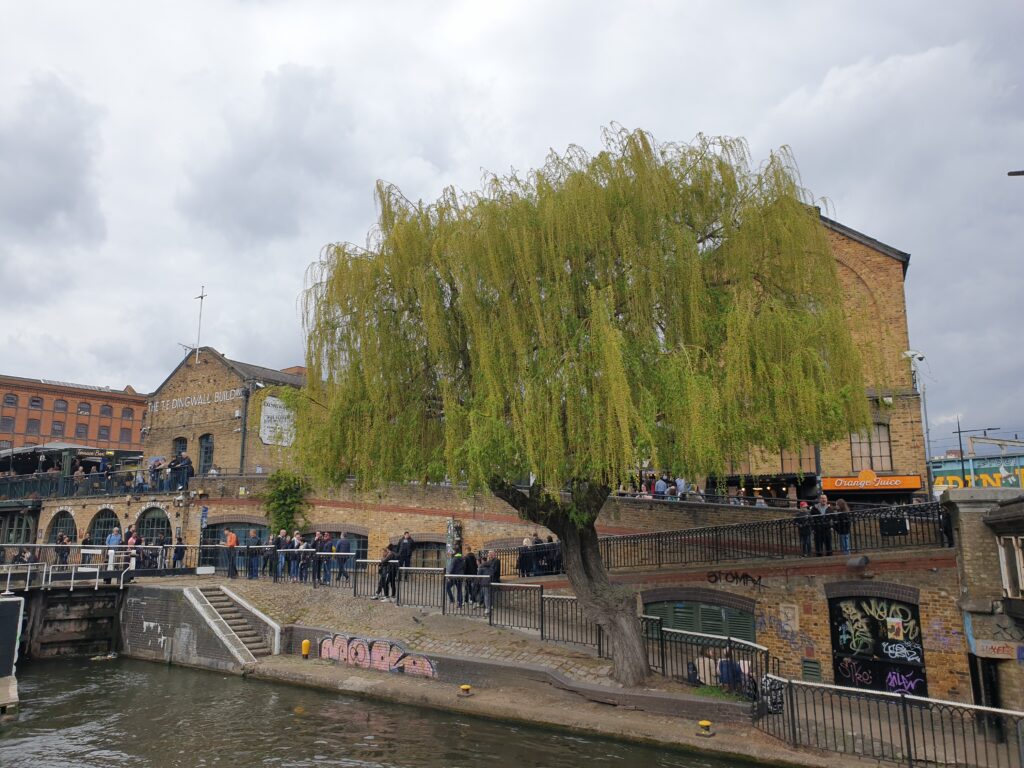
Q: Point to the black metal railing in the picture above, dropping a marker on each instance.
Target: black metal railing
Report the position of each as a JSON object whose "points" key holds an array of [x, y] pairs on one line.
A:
{"points": [[876, 528], [423, 587], [565, 621], [520, 606], [897, 728], [48, 485]]}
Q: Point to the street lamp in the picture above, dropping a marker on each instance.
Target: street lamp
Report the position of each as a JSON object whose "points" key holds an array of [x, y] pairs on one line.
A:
{"points": [[959, 434], [916, 358]]}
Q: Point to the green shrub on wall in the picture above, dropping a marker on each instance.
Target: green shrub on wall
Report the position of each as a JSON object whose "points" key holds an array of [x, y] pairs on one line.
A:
{"points": [[285, 500]]}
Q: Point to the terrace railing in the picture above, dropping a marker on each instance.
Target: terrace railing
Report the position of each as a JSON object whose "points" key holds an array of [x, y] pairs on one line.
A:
{"points": [[48, 485], [876, 528]]}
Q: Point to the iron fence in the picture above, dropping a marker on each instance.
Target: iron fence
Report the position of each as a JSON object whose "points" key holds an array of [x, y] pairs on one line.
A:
{"points": [[423, 587], [520, 606], [332, 569], [565, 621], [898, 728], [463, 595], [365, 578]]}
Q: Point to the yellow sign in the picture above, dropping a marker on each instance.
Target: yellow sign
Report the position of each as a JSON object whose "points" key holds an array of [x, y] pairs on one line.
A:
{"points": [[866, 480]]}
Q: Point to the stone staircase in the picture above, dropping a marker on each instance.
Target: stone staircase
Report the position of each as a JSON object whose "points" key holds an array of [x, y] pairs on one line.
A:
{"points": [[233, 617]]}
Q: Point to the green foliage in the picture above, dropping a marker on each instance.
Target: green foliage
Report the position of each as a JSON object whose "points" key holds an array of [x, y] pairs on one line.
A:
{"points": [[663, 302], [285, 500]]}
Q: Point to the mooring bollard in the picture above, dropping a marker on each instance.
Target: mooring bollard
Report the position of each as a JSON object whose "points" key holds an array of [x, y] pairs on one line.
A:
{"points": [[465, 690], [705, 728], [305, 649]]}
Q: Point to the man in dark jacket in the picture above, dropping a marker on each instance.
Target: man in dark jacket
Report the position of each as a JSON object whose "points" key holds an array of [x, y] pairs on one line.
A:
{"points": [[821, 514], [472, 587], [456, 567], [344, 548], [405, 546]]}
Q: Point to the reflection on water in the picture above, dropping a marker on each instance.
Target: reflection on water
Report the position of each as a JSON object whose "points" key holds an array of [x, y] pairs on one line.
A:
{"points": [[132, 713]]}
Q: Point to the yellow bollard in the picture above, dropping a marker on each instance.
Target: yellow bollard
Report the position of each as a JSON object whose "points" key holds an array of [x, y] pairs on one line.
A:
{"points": [[705, 728], [305, 649], [465, 690]]}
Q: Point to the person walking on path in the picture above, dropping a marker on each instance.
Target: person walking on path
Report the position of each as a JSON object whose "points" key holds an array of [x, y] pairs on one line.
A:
{"points": [[343, 547], [387, 569], [231, 542]]}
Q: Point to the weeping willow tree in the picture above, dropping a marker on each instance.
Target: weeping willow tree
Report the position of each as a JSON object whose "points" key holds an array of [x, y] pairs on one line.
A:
{"points": [[546, 336]]}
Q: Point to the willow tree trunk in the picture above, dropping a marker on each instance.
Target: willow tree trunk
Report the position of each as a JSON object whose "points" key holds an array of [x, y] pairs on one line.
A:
{"points": [[612, 608]]}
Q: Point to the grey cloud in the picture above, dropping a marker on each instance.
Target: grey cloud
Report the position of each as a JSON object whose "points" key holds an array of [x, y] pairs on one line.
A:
{"points": [[276, 163], [49, 143]]}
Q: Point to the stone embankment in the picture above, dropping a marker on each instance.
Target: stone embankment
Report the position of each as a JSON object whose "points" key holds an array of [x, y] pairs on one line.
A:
{"points": [[514, 675]]}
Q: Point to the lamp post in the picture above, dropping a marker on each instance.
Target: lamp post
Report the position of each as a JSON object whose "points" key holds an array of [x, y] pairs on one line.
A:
{"points": [[915, 358], [959, 435]]}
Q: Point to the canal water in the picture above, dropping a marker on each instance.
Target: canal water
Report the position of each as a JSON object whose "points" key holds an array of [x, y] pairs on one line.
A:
{"points": [[134, 713]]}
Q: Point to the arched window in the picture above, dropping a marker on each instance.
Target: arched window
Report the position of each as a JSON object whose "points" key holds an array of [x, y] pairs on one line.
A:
{"points": [[179, 445], [106, 410], [429, 554], [205, 453], [84, 409], [64, 523], [60, 406], [11, 400], [17, 529], [35, 403], [127, 414], [152, 524], [102, 524]]}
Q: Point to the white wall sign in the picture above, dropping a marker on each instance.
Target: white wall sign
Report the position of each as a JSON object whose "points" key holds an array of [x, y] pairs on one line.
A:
{"points": [[277, 424]]}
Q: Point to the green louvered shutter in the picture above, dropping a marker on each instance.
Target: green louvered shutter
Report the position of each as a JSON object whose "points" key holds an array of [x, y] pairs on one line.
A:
{"points": [[740, 624], [685, 617], [712, 619]]}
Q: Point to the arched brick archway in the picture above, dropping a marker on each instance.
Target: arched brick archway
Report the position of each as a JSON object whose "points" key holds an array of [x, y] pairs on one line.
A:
{"points": [[101, 524], [62, 522]]}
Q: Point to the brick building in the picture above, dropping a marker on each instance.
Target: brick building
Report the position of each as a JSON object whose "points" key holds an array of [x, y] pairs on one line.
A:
{"points": [[36, 411], [212, 409], [887, 463]]}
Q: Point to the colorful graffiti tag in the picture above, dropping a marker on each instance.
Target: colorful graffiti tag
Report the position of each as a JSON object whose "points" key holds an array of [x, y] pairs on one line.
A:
{"points": [[382, 655], [877, 644]]}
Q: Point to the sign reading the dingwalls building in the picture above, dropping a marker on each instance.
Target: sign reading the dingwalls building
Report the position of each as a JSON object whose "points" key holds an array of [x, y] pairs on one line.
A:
{"points": [[199, 398], [277, 424]]}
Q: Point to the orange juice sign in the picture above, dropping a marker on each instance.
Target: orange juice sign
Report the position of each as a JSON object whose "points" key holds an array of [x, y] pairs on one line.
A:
{"points": [[866, 480]]}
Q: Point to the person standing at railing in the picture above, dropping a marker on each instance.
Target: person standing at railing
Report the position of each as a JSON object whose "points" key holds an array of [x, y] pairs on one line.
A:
{"points": [[327, 548], [62, 550], [231, 545], [822, 517], [455, 566], [803, 527], [841, 524], [343, 547], [179, 553], [470, 568], [405, 547], [491, 568], [84, 544], [140, 481], [252, 554], [113, 542], [281, 542]]}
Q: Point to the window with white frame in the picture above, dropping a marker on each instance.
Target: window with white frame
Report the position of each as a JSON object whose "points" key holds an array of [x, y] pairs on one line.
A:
{"points": [[1011, 565], [872, 450]]}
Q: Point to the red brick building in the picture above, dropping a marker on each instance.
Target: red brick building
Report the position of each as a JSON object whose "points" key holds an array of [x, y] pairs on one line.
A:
{"points": [[36, 411]]}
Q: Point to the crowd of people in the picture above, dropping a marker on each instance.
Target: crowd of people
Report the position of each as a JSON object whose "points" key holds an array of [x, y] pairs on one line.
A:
{"points": [[818, 522]]}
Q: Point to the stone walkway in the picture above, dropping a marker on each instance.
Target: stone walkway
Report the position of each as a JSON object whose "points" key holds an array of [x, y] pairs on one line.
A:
{"points": [[423, 630]]}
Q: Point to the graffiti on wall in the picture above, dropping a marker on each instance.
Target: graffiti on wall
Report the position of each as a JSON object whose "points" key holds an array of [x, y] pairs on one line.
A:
{"points": [[877, 644], [787, 631], [382, 655], [734, 577]]}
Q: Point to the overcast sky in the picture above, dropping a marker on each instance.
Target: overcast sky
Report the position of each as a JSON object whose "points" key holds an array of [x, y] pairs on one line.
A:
{"points": [[147, 149]]}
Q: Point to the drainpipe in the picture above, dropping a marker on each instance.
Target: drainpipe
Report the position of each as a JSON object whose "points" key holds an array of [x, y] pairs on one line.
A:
{"points": [[245, 424]]}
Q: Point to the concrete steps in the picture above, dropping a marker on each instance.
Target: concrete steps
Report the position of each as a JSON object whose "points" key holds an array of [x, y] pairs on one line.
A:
{"points": [[236, 621]]}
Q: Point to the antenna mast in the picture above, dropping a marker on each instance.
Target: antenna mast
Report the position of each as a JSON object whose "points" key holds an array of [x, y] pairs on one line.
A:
{"points": [[199, 329]]}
